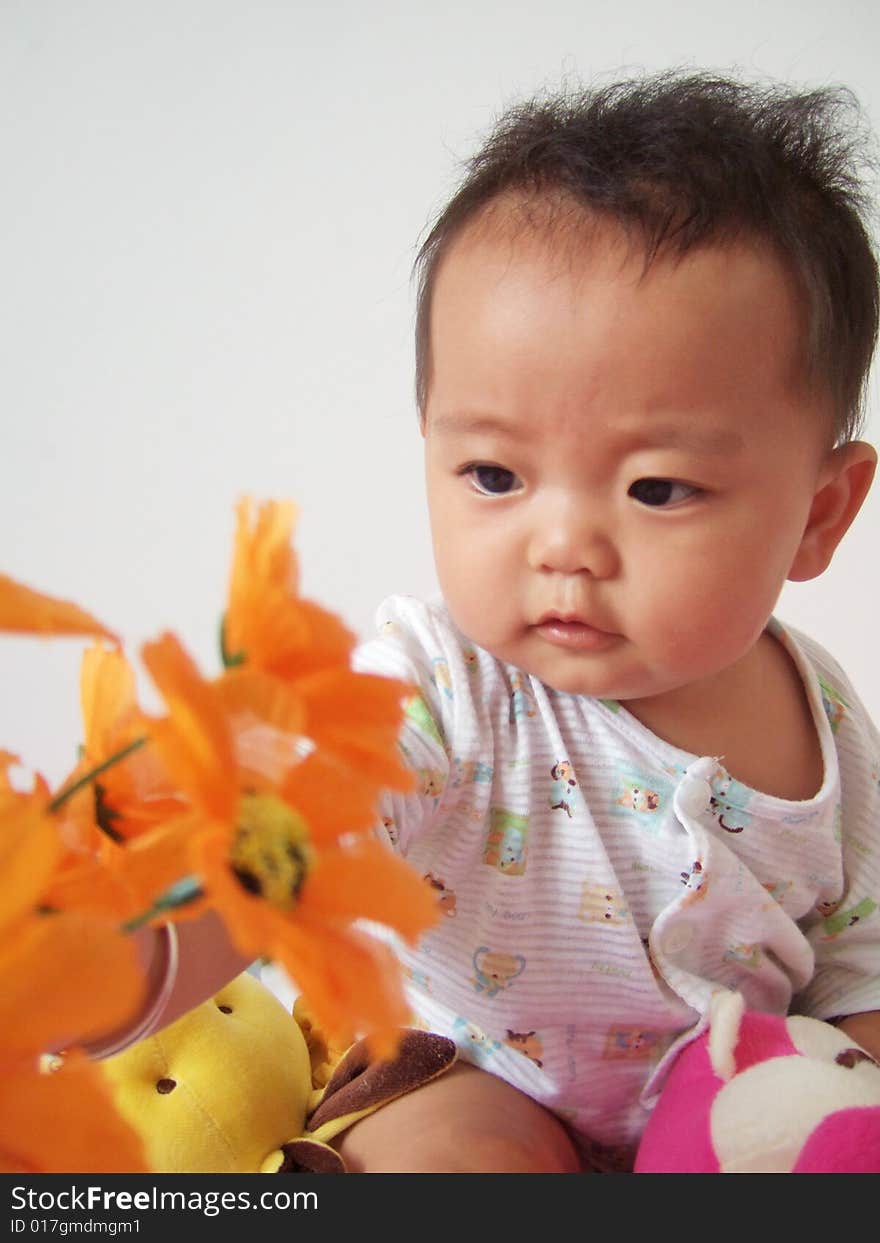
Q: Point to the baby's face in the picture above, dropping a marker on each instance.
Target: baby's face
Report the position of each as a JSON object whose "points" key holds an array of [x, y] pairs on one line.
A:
{"points": [[620, 468]]}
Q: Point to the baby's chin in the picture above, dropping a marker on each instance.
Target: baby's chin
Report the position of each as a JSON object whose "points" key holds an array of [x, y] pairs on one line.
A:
{"points": [[589, 688], [572, 676], [593, 679], [616, 674]]}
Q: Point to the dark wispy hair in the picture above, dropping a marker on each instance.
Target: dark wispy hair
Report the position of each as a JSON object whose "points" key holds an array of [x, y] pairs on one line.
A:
{"points": [[681, 159]]}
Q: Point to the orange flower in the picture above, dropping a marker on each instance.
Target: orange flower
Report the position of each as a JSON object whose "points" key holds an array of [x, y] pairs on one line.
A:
{"points": [[64, 976], [25, 611], [267, 625], [282, 851], [119, 818], [29, 847], [137, 794], [269, 630], [55, 1123]]}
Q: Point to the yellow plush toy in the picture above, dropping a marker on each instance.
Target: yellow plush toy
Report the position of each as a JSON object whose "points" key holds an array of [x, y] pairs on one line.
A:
{"points": [[240, 1085]]}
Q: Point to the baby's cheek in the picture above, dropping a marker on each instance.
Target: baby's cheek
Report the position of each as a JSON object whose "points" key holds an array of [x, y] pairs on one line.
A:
{"points": [[696, 625], [482, 600]]}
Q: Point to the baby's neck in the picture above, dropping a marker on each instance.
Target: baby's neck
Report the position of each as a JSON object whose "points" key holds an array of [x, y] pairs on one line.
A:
{"points": [[755, 715]]}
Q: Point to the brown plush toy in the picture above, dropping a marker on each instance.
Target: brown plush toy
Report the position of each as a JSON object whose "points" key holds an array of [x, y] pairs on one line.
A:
{"points": [[240, 1085]]}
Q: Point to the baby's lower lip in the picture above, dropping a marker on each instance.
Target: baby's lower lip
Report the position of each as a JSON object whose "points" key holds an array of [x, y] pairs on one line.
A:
{"points": [[575, 635]]}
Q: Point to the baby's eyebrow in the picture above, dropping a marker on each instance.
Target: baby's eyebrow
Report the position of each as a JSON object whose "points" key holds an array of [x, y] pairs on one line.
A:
{"points": [[692, 436], [473, 423]]}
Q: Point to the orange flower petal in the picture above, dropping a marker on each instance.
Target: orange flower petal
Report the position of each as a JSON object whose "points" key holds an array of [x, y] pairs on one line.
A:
{"points": [[7, 760], [366, 881], [332, 798], [264, 566], [107, 694], [64, 1122], [65, 978], [266, 623], [75, 822], [358, 716], [350, 981], [39, 790], [263, 553], [252, 924], [251, 694], [124, 880], [84, 885], [25, 611], [136, 793], [194, 739], [287, 636], [151, 864], [29, 851], [266, 718], [319, 640]]}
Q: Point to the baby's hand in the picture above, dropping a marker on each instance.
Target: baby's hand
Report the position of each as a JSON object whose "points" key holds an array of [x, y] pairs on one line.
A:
{"points": [[864, 1029]]}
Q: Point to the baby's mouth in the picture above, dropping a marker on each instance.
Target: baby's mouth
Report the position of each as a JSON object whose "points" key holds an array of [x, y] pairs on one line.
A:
{"points": [[574, 633]]}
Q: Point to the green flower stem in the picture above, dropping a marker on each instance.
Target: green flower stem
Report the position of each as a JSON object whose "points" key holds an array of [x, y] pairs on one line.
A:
{"points": [[60, 799], [230, 659], [180, 894]]}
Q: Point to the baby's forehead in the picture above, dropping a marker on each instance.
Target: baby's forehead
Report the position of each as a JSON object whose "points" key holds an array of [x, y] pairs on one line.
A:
{"points": [[522, 262], [563, 230], [524, 250], [540, 301], [570, 237]]}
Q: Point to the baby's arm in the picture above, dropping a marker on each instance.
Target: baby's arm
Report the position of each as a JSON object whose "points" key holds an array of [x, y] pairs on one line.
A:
{"points": [[207, 960], [864, 1029], [182, 968], [464, 1122]]}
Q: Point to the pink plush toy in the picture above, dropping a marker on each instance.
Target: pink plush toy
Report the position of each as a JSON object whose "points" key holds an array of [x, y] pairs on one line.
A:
{"points": [[757, 1093]]}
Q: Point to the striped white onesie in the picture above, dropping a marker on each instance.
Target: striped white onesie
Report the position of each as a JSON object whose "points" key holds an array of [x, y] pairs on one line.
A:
{"points": [[598, 884]]}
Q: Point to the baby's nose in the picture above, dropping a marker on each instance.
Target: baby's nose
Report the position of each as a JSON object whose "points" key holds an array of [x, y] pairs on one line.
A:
{"points": [[569, 540]]}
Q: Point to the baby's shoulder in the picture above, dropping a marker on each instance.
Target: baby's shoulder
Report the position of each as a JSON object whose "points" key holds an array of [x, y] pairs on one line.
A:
{"points": [[413, 636], [846, 712], [466, 689], [418, 643]]}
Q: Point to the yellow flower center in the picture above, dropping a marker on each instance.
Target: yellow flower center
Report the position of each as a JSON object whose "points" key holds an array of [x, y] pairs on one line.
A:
{"points": [[271, 853]]}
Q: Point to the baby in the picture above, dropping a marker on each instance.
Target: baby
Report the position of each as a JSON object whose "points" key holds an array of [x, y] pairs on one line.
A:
{"points": [[645, 323], [644, 326]]}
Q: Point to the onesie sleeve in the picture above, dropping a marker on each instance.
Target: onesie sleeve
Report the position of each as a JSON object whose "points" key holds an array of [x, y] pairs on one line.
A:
{"points": [[410, 648], [845, 932]]}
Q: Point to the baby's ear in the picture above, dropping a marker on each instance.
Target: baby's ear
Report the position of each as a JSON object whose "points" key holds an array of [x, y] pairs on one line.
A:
{"points": [[843, 484]]}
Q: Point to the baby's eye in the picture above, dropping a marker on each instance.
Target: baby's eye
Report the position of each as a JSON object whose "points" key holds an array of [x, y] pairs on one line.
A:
{"points": [[493, 480], [661, 492]]}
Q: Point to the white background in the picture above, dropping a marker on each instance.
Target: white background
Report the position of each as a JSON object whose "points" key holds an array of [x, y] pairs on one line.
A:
{"points": [[208, 217]]}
